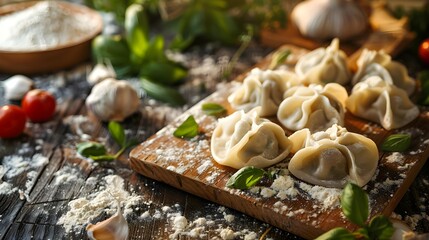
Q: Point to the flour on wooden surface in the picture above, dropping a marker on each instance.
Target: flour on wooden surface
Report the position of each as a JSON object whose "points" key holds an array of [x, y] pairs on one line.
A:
{"points": [[83, 210], [67, 174], [41, 27], [15, 165]]}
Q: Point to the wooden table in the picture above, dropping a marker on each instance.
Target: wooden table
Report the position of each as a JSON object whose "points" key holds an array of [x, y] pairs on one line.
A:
{"points": [[36, 216]]}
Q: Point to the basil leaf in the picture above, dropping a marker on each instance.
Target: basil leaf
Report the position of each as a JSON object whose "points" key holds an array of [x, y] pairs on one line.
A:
{"points": [[380, 228], [336, 234], [396, 143], [163, 72], [354, 203], [162, 93], [117, 132], [88, 149], [103, 158], [213, 109], [246, 177], [188, 129], [136, 29], [115, 49], [278, 58]]}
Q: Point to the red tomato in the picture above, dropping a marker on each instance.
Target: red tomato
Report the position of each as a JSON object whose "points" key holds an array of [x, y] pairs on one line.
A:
{"points": [[12, 121], [424, 51], [39, 105]]}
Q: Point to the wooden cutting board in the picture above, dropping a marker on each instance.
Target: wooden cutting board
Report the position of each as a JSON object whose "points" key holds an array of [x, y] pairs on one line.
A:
{"points": [[187, 164]]}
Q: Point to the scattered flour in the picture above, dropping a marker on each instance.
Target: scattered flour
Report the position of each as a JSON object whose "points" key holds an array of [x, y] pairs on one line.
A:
{"points": [[14, 165], [84, 210], [395, 157], [67, 174]]}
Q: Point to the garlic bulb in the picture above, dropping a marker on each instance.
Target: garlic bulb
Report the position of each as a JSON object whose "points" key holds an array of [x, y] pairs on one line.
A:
{"points": [[17, 86], [113, 228], [100, 72], [326, 19], [113, 100]]}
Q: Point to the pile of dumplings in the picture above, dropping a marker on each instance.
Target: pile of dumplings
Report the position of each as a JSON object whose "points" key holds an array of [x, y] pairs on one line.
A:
{"points": [[312, 102]]}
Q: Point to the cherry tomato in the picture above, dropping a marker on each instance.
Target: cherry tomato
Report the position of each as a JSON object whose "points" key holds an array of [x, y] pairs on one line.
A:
{"points": [[39, 105], [424, 51], [12, 121]]}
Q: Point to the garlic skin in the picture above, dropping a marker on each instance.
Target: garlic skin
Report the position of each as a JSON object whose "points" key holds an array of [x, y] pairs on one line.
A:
{"points": [[113, 228], [113, 100], [327, 19], [17, 86], [99, 73]]}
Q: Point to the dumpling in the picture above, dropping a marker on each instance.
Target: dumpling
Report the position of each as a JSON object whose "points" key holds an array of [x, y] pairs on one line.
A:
{"points": [[333, 157], [376, 100], [378, 63], [314, 107], [263, 89], [242, 139], [324, 65]]}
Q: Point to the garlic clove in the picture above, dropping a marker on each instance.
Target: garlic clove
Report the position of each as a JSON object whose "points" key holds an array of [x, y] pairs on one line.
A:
{"points": [[327, 19], [113, 100], [17, 86], [113, 228], [99, 73]]}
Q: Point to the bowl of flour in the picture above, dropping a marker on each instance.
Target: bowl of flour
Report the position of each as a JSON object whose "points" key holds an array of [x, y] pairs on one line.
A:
{"points": [[45, 36]]}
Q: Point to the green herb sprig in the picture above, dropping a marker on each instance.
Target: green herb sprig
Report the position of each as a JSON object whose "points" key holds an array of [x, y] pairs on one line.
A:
{"points": [[98, 152], [396, 143], [355, 206], [247, 177]]}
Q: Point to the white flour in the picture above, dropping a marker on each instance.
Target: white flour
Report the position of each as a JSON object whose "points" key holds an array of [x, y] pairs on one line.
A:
{"points": [[83, 210], [44, 25]]}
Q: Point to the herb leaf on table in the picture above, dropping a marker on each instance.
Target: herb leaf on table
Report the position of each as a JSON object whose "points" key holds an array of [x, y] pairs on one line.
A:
{"points": [[97, 151]]}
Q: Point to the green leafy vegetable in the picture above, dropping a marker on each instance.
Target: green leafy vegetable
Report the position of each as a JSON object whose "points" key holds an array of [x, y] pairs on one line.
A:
{"points": [[135, 53], [188, 129], [246, 177], [396, 143], [97, 151], [115, 50], [213, 109], [89, 149], [162, 92], [205, 20], [165, 72], [136, 30], [354, 203], [337, 234]]}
